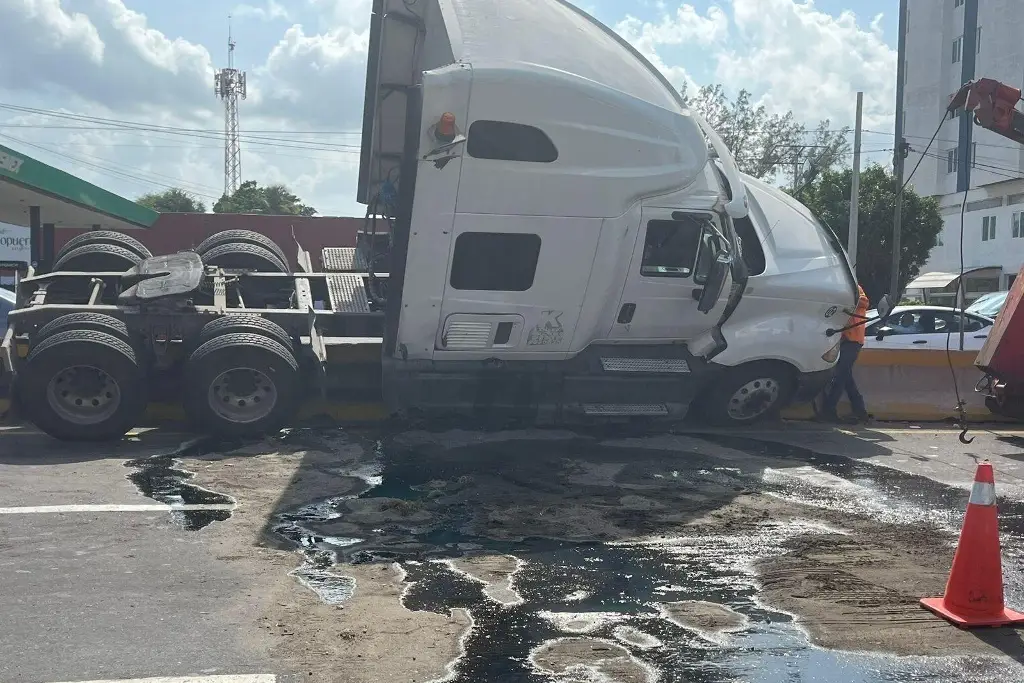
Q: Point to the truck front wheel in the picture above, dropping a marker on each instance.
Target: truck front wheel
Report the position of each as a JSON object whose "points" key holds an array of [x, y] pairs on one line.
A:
{"points": [[82, 385], [241, 385], [749, 393]]}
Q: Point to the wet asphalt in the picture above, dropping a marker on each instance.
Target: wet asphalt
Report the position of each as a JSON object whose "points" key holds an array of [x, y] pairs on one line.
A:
{"points": [[97, 596]]}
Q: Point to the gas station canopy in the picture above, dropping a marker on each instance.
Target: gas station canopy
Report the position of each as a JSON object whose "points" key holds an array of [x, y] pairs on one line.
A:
{"points": [[64, 201]]}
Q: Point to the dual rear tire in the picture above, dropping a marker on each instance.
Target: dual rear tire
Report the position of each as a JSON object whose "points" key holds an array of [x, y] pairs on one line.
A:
{"points": [[243, 379], [85, 380]]}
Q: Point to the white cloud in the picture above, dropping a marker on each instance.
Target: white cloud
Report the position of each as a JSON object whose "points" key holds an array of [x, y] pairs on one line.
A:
{"points": [[267, 12], [314, 78], [809, 61], [684, 27]]}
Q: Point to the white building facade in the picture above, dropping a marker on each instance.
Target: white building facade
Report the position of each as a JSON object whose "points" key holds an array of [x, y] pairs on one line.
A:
{"points": [[942, 38]]}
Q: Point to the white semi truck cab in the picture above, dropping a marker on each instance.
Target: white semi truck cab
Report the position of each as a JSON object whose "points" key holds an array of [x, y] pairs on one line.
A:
{"points": [[548, 240], [560, 241]]}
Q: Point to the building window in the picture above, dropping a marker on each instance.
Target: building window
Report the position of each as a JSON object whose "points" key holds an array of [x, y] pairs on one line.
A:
{"points": [[671, 247], [938, 240], [510, 142], [495, 261], [974, 155], [977, 45], [988, 228], [1017, 232], [957, 45], [958, 3], [951, 160]]}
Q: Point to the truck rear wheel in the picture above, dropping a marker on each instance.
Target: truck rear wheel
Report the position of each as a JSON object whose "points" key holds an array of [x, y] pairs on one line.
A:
{"points": [[245, 323], [748, 393], [96, 258], [118, 239], [244, 256], [240, 237], [82, 385], [83, 321], [241, 385]]}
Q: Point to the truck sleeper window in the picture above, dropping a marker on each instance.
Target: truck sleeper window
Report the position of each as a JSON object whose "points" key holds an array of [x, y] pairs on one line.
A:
{"points": [[495, 261], [510, 142], [671, 246]]}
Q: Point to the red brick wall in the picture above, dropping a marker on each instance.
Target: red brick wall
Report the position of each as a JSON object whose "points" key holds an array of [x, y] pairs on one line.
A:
{"points": [[177, 231]]}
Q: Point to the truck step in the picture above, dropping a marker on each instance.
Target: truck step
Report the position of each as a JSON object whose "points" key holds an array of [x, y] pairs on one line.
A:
{"points": [[343, 260], [627, 409], [348, 294], [646, 365]]}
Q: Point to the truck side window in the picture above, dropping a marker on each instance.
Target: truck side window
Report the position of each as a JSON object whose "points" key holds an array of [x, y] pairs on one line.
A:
{"points": [[670, 246], [495, 261], [510, 142]]}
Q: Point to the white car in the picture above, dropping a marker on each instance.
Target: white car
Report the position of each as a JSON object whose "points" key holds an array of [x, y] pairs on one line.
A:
{"points": [[926, 327]]}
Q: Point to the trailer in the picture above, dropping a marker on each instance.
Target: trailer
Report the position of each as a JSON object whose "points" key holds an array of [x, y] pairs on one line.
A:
{"points": [[551, 237]]}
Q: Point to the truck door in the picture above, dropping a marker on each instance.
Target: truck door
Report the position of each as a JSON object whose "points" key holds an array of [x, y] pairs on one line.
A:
{"points": [[679, 277]]}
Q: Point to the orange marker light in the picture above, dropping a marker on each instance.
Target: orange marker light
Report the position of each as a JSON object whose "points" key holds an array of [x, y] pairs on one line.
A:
{"points": [[445, 129]]}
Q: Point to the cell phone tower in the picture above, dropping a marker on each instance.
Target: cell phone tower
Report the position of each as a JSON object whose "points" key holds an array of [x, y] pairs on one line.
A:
{"points": [[229, 84]]}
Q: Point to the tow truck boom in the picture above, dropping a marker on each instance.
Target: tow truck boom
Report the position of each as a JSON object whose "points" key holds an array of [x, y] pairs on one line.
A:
{"points": [[994, 105]]}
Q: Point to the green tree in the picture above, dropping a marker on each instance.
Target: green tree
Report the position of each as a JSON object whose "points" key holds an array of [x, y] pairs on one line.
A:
{"points": [[764, 143], [829, 198], [174, 200], [272, 200]]}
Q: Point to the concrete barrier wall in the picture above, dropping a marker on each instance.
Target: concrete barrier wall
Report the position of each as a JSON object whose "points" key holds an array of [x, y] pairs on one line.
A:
{"points": [[913, 384]]}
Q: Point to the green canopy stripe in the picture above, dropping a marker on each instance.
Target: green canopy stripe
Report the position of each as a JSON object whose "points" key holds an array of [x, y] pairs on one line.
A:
{"points": [[25, 171]]}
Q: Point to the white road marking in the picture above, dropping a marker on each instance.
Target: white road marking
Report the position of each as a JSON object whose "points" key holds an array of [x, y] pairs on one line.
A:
{"points": [[251, 678], [142, 507]]}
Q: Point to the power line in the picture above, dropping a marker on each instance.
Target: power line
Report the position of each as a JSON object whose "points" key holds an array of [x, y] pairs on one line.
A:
{"points": [[117, 124], [133, 175]]}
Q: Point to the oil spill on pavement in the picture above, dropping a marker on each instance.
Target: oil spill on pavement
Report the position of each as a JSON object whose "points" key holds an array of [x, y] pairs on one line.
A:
{"points": [[599, 608], [623, 612], [893, 496], [161, 478]]}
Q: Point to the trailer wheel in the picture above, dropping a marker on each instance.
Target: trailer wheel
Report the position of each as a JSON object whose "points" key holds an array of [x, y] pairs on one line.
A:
{"points": [[244, 256], [94, 258], [84, 321], [241, 237], [241, 385], [118, 239], [83, 385], [748, 394], [245, 323]]}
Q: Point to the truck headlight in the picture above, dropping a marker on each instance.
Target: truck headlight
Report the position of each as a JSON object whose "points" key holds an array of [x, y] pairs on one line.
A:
{"points": [[832, 355]]}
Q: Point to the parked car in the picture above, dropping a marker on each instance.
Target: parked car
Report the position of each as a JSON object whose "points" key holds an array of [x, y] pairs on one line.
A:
{"points": [[926, 327], [989, 304], [6, 306]]}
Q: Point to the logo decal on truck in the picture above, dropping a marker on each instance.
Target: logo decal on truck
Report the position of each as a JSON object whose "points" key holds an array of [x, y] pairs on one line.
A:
{"points": [[831, 311], [549, 331]]}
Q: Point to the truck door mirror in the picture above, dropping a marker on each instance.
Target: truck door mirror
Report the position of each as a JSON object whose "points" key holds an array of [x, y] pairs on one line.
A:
{"points": [[718, 274], [883, 332]]}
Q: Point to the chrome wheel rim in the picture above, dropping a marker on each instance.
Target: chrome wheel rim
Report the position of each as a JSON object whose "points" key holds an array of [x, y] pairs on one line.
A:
{"points": [[242, 395], [83, 395], [754, 399]]}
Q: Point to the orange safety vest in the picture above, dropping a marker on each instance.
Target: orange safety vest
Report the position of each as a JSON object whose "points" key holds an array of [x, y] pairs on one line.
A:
{"points": [[856, 334]]}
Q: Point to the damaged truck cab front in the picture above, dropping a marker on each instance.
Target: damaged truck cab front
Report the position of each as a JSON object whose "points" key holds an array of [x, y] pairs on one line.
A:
{"points": [[561, 244]]}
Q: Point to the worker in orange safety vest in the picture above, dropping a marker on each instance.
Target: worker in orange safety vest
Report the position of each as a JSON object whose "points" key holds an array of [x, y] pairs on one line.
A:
{"points": [[849, 349]]}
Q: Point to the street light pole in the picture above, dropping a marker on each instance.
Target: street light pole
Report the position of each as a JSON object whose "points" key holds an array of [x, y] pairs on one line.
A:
{"points": [[901, 76]]}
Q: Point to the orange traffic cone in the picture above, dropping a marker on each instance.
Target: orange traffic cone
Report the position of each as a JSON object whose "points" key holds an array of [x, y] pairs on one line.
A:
{"points": [[974, 592]]}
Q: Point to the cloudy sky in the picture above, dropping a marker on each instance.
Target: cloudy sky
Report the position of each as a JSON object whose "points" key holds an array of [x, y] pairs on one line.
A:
{"points": [[152, 61]]}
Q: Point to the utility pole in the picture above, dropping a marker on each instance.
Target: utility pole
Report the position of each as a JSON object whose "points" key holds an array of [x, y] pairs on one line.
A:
{"points": [[851, 248], [229, 85], [797, 152], [898, 156]]}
